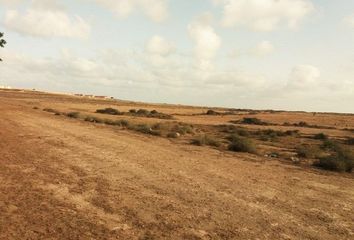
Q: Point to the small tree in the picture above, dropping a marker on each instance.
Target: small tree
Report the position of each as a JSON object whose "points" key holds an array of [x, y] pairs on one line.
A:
{"points": [[2, 41]]}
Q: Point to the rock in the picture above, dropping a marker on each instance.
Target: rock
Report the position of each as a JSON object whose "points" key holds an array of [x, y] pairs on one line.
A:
{"points": [[295, 160]]}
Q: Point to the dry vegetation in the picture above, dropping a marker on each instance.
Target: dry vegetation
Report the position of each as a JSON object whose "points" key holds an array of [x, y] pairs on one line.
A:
{"points": [[173, 172]]}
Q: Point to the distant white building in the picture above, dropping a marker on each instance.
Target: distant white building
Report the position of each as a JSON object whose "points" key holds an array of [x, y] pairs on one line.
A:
{"points": [[5, 87]]}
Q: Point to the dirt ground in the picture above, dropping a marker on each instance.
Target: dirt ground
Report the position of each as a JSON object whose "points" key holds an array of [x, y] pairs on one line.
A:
{"points": [[63, 178]]}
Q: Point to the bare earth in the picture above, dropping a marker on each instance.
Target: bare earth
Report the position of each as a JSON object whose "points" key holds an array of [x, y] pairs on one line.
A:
{"points": [[63, 178]]}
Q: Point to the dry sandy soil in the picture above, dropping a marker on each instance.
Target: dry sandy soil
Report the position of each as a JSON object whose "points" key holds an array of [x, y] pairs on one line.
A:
{"points": [[63, 178]]}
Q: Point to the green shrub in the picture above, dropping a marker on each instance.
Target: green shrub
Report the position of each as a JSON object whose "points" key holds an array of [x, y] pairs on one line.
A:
{"points": [[73, 114], [341, 160], [320, 136], [110, 111], [241, 144], [206, 140]]}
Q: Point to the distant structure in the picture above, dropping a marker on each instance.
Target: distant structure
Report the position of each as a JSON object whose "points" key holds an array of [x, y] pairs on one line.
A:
{"points": [[92, 96], [5, 87], [102, 97]]}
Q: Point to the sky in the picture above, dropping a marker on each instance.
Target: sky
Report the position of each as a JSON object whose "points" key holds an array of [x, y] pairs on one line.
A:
{"points": [[259, 54]]}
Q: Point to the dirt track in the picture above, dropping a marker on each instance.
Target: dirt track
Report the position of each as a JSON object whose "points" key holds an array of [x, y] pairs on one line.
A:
{"points": [[62, 178]]}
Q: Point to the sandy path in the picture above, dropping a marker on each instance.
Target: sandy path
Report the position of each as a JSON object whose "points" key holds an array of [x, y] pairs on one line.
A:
{"points": [[66, 179]]}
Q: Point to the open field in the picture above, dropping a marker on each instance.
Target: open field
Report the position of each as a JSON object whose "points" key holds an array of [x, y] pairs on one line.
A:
{"points": [[66, 178]]}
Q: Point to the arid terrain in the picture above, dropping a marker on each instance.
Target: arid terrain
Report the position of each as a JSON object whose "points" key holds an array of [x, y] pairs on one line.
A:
{"points": [[69, 172]]}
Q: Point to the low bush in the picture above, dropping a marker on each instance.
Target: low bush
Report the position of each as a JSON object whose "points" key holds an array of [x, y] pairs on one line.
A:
{"points": [[110, 111], [291, 132], [320, 136], [93, 119], [271, 134], [123, 123], [241, 144], [35, 108], [308, 151], [51, 110], [301, 124], [253, 121], [143, 112], [212, 112], [183, 129], [341, 160], [350, 141], [329, 144], [73, 114], [146, 129], [202, 140], [132, 110]]}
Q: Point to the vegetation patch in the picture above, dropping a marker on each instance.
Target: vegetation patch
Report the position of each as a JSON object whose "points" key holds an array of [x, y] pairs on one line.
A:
{"points": [[350, 141], [251, 121], [93, 119], [73, 114], [341, 160], [241, 144], [211, 112], [320, 136], [110, 111], [204, 139], [308, 151], [271, 134], [50, 110], [306, 125]]}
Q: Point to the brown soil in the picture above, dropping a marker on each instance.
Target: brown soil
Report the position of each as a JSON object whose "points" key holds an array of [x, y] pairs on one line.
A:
{"points": [[63, 178]]}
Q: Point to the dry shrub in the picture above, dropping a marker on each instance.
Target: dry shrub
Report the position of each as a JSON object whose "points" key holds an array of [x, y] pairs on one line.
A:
{"points": [[308, 151], [341, 160], [73, 114], [110, 111], [241, 144], [204, 139]]}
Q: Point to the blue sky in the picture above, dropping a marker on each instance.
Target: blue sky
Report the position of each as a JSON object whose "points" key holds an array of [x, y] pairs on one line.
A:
{"points": [[286, 54]]}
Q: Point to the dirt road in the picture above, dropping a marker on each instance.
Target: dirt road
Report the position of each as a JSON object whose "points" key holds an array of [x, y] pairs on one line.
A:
{"points": [[61, 178]]}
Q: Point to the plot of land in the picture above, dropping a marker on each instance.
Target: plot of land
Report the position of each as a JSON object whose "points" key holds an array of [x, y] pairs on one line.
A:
{"points": [[67, 178]]}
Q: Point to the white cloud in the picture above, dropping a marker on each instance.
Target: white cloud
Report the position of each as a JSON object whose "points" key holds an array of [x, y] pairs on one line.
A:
{"points": [[207, 42], [46, 19], [262, 49], [303, 77], [264, 15], [159, 46], [156, 10]]}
